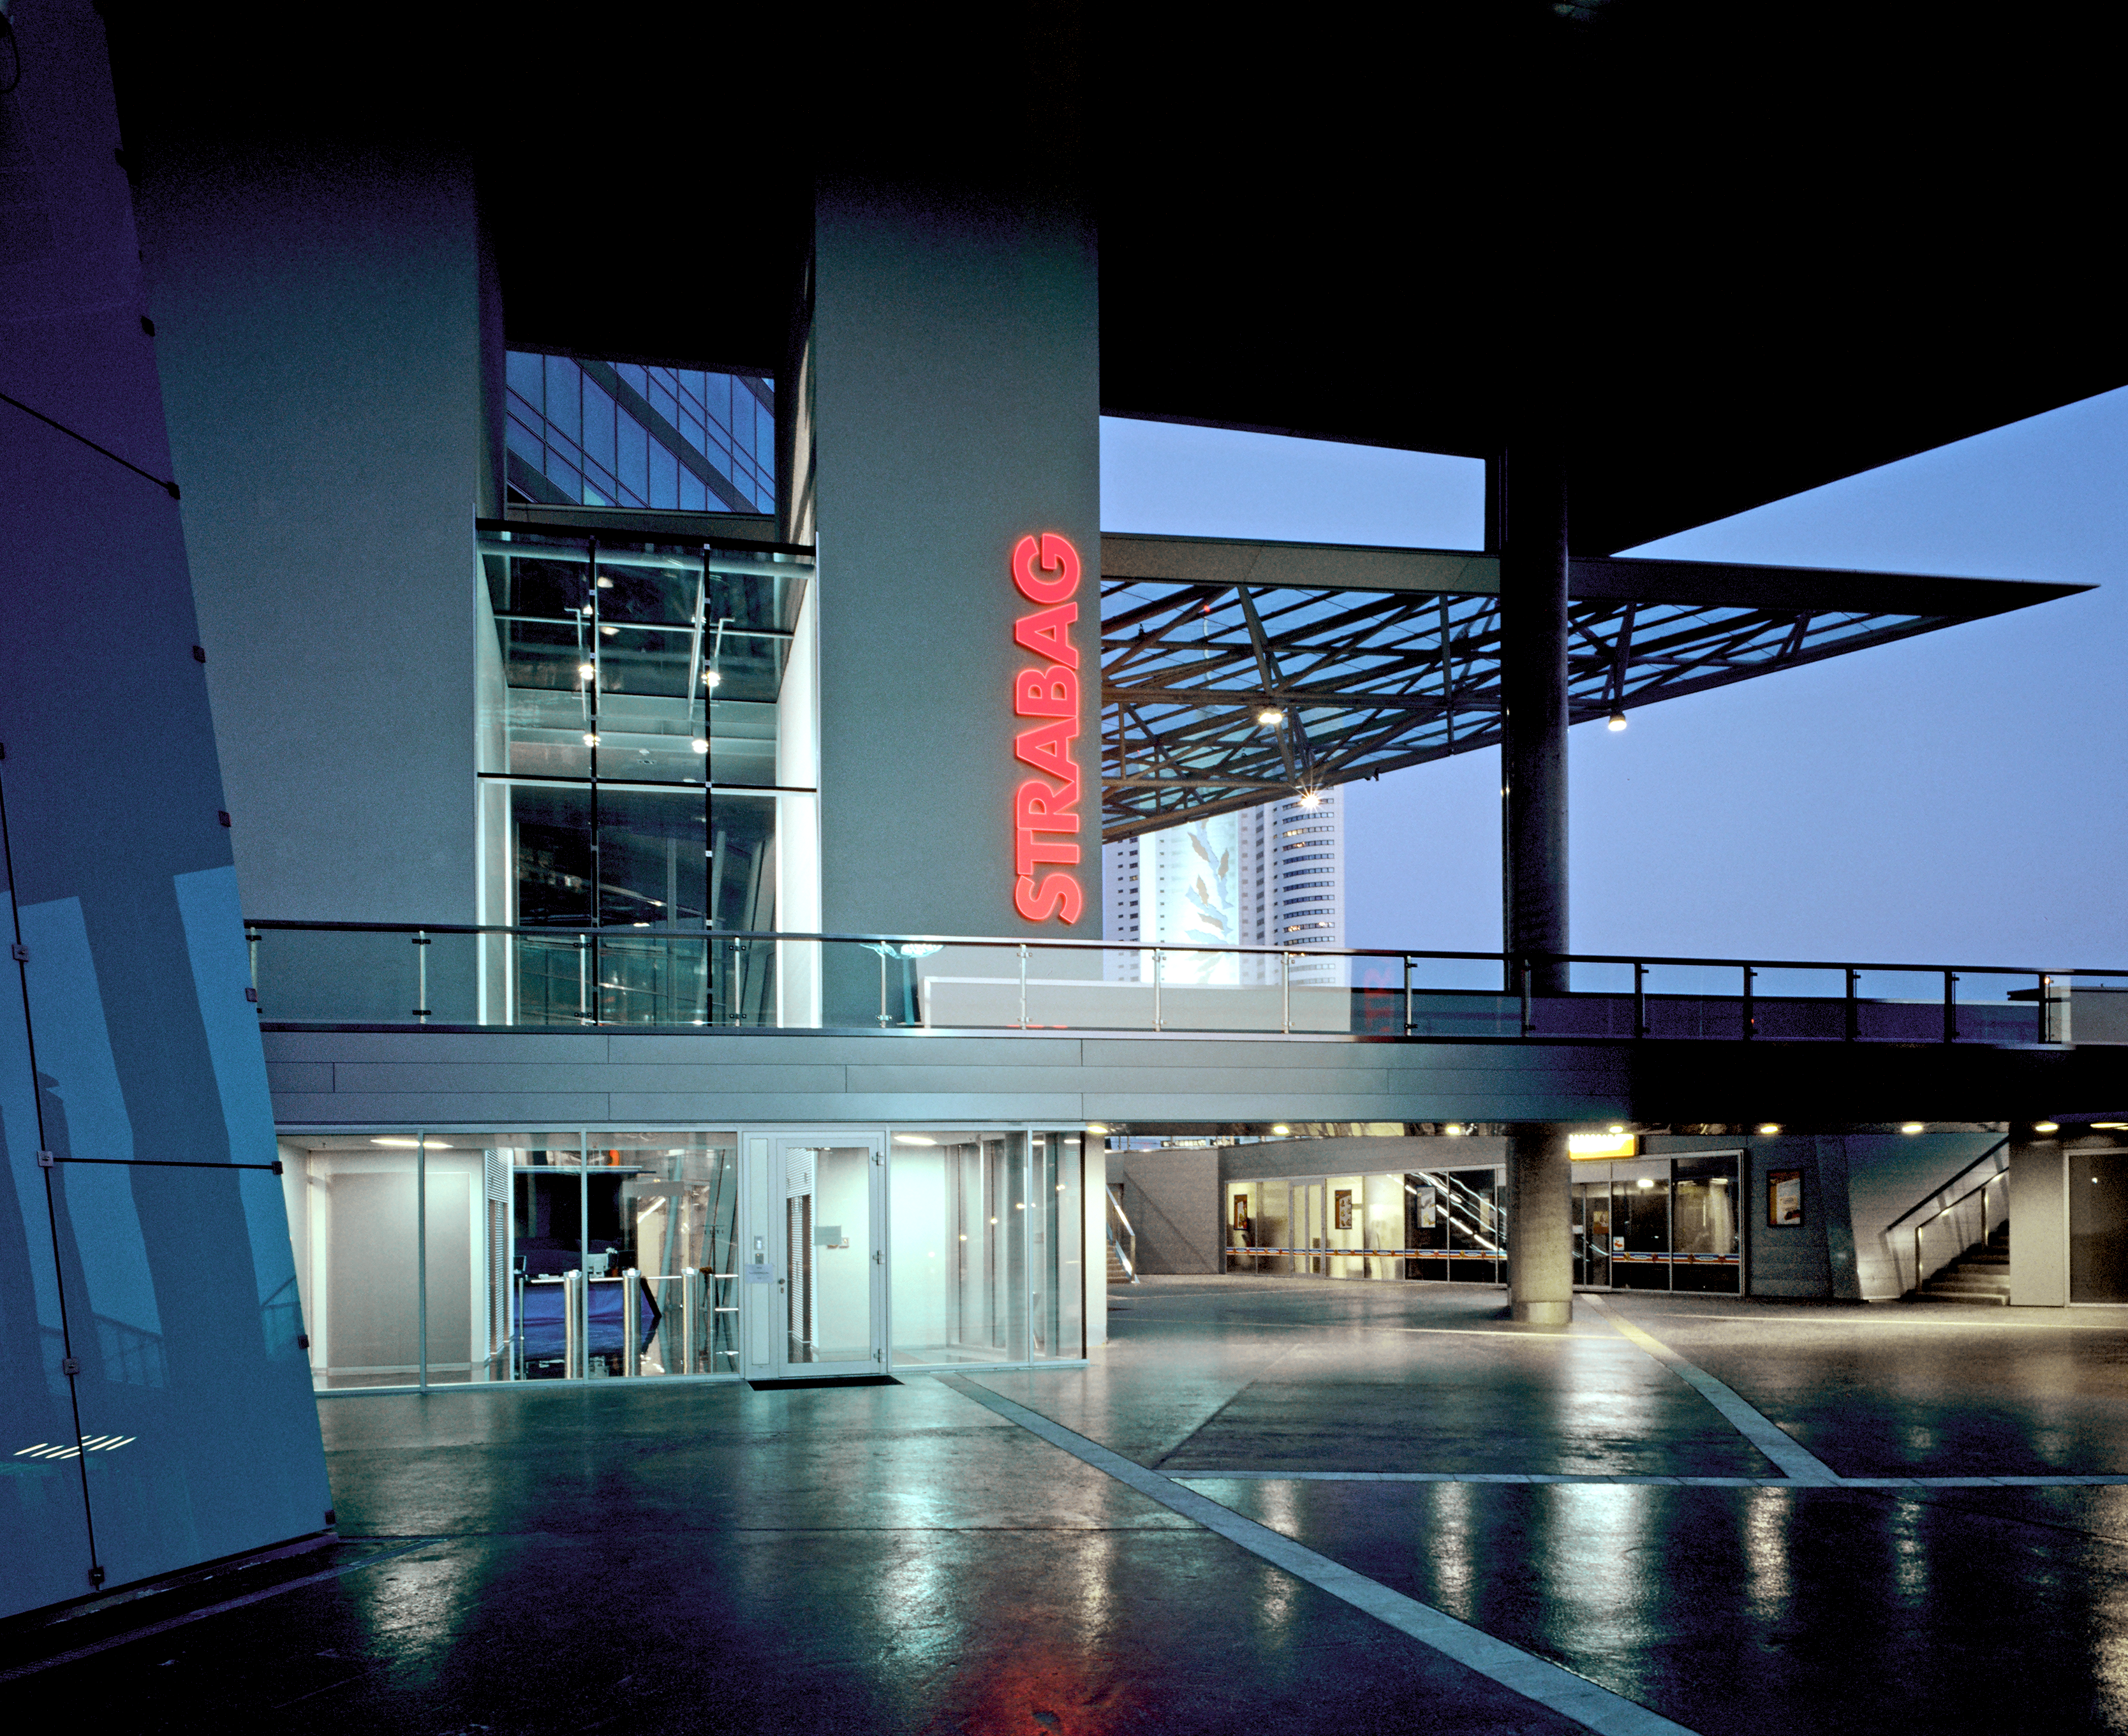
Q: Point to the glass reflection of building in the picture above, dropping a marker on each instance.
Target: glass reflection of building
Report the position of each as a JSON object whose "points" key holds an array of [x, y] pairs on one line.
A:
{"points": [[647, 752]]}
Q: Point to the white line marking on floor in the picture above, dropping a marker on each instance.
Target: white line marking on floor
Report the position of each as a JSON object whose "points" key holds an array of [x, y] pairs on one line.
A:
{"points": [[1534, 1678], [1796, 1461]]}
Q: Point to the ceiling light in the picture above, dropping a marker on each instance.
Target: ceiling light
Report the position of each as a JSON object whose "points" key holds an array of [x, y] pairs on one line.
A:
{"points": [[590, 740], [1910, 1127], [1616, 1128], [2046, 1126], [1453, 1127], [605, 583], [609, 631], [699, 745], [1281, 1127], [587, 669], [1769, 1127], [409, 1145], [2110, 1125], [913, 1139], [1097, 1127], [1617, 719], [1644, 1181], [711, 678], [1268, 717]]}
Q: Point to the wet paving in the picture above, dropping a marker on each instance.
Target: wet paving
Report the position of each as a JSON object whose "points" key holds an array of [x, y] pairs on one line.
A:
{"points": [[712, 1558]]}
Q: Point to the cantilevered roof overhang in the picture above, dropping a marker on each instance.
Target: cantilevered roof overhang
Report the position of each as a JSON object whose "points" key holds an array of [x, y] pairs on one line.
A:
{"points": [[1234, 673]]}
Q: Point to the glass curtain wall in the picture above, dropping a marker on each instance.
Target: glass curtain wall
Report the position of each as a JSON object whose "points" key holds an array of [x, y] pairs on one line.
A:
{"points": [[987, 1230], [637, 777], [1438, 1225], [1660, 1225], [435, 1259]]}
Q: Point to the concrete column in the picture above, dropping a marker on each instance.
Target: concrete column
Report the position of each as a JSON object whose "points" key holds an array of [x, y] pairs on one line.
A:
{"points": [[1539, 1225], [1533, 579], [2039, 1223]]}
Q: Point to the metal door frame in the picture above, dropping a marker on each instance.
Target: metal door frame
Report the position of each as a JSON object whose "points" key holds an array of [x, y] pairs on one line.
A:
{"points": [[775, 1234]]}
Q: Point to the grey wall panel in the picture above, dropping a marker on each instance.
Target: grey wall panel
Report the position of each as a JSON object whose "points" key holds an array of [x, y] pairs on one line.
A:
{"points": [[299, 1076], [414, 1078], [2039, 1226], [464, 1108], [171, 1289], [939, 1109], [319, 337], [1787, 1260], [957, 398], [1173, 1198], [843, 1049], [432, 1048]]}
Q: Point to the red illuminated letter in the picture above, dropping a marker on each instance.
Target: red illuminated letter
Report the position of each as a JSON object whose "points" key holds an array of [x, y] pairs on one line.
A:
{"points": [[1057, 557], [1047, 633], [1046, 692], [1059, 897], [1032, 809]]}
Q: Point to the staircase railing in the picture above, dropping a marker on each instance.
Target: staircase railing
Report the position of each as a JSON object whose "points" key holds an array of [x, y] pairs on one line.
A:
{"points": [[1119, 1228], [1937, 1206]]}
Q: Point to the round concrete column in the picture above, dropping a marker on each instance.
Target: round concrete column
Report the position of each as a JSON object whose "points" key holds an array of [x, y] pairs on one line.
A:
{"points": [[1540, 1226]]}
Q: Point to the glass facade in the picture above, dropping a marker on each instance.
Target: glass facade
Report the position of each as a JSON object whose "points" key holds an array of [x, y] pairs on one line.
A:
{"points": [[1660, 1224], [428, 1258], [586, 433], [1445, 1225], [647, 777]]}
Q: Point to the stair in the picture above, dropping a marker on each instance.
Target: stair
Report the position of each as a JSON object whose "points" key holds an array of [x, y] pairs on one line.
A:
{"points": [[1980, 1275], [1119, 1273]]}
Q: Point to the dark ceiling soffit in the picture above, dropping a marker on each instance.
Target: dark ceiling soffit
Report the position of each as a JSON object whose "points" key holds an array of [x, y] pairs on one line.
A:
{"points": [[1461, 572]]}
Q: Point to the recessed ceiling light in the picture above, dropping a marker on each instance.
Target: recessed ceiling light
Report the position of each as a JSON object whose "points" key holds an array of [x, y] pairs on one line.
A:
{"points": [[1281, 1127], [913, 1139], [1910, 1127], [410, 1145], [2046, 1126], [1769, 1127]]}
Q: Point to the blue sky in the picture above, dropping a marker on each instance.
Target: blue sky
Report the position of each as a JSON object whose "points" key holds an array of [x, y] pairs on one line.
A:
{"points": [[1960, 798]]}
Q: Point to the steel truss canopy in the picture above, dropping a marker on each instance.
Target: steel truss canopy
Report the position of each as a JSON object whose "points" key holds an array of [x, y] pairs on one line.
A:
{"points": [[1233, 673]]}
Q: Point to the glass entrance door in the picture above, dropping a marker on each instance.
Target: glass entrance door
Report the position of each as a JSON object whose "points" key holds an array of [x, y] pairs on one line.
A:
{"points": [[1592, 1233], [829, 1201]]}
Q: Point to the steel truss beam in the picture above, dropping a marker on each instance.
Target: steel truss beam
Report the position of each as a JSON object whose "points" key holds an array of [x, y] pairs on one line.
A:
{"points": [[1368, 680]]}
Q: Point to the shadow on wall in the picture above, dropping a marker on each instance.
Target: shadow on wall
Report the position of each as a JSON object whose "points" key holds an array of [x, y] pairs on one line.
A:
{"points": [[1173, 1199]]}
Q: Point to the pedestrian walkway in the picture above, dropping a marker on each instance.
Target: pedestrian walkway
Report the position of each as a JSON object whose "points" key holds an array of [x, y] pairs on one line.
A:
{"points": [[1267, 1504]]}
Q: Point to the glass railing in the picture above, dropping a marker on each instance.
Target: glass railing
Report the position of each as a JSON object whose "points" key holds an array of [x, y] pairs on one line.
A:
{"points": [[354, 974]]}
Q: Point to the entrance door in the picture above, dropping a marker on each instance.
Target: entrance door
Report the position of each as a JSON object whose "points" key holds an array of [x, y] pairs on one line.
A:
{"points": [[828, 1204], [1592, 1233]]}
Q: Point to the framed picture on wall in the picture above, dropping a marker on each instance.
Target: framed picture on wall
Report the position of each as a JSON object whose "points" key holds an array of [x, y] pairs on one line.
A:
{"points": [[1240, 1211], [1783, 1198], [1344, 1208]]}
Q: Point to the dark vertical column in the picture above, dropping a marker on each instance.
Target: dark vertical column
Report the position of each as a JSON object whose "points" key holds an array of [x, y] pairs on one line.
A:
{"points": [[1533, 566], [1539, 1225]]}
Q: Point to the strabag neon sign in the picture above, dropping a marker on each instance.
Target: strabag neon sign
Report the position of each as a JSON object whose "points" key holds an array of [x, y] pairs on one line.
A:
{"points": [[1044, 816]]}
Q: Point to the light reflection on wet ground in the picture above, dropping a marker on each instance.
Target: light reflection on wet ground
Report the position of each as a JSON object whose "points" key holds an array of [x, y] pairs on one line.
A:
{"points": [[896, 1558]]}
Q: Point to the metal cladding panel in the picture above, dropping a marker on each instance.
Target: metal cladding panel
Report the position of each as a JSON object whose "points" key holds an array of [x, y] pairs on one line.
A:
{"points": [[957, 410], [156, 1406]]}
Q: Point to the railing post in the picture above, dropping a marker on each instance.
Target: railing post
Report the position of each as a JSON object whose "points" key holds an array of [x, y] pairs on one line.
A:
{"points": [[251, 947], [1158, 958], [1522, 976], [1950, 1006], [1918, 1227], [1751, 1002], [583, 979], [1022, 985], [882, 989], [421, 975], [2046, 987], [631, 1345], [1640, 998], [573, 1365], [687, 1274], [1285, 994], [1854, 1006], [1407, 995]]}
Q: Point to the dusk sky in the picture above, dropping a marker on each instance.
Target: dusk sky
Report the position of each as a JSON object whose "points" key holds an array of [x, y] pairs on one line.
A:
{"points": [[1961, 798]]}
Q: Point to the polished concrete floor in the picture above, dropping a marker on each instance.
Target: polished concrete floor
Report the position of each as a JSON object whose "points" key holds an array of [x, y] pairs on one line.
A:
{"points": [[1035, 1552]]}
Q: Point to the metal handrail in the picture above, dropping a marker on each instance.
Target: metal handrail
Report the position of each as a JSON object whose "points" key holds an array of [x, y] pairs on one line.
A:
{"points": [[2000, 1175], [1069, 943], [1934, 1195], [1115, 1207]]}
